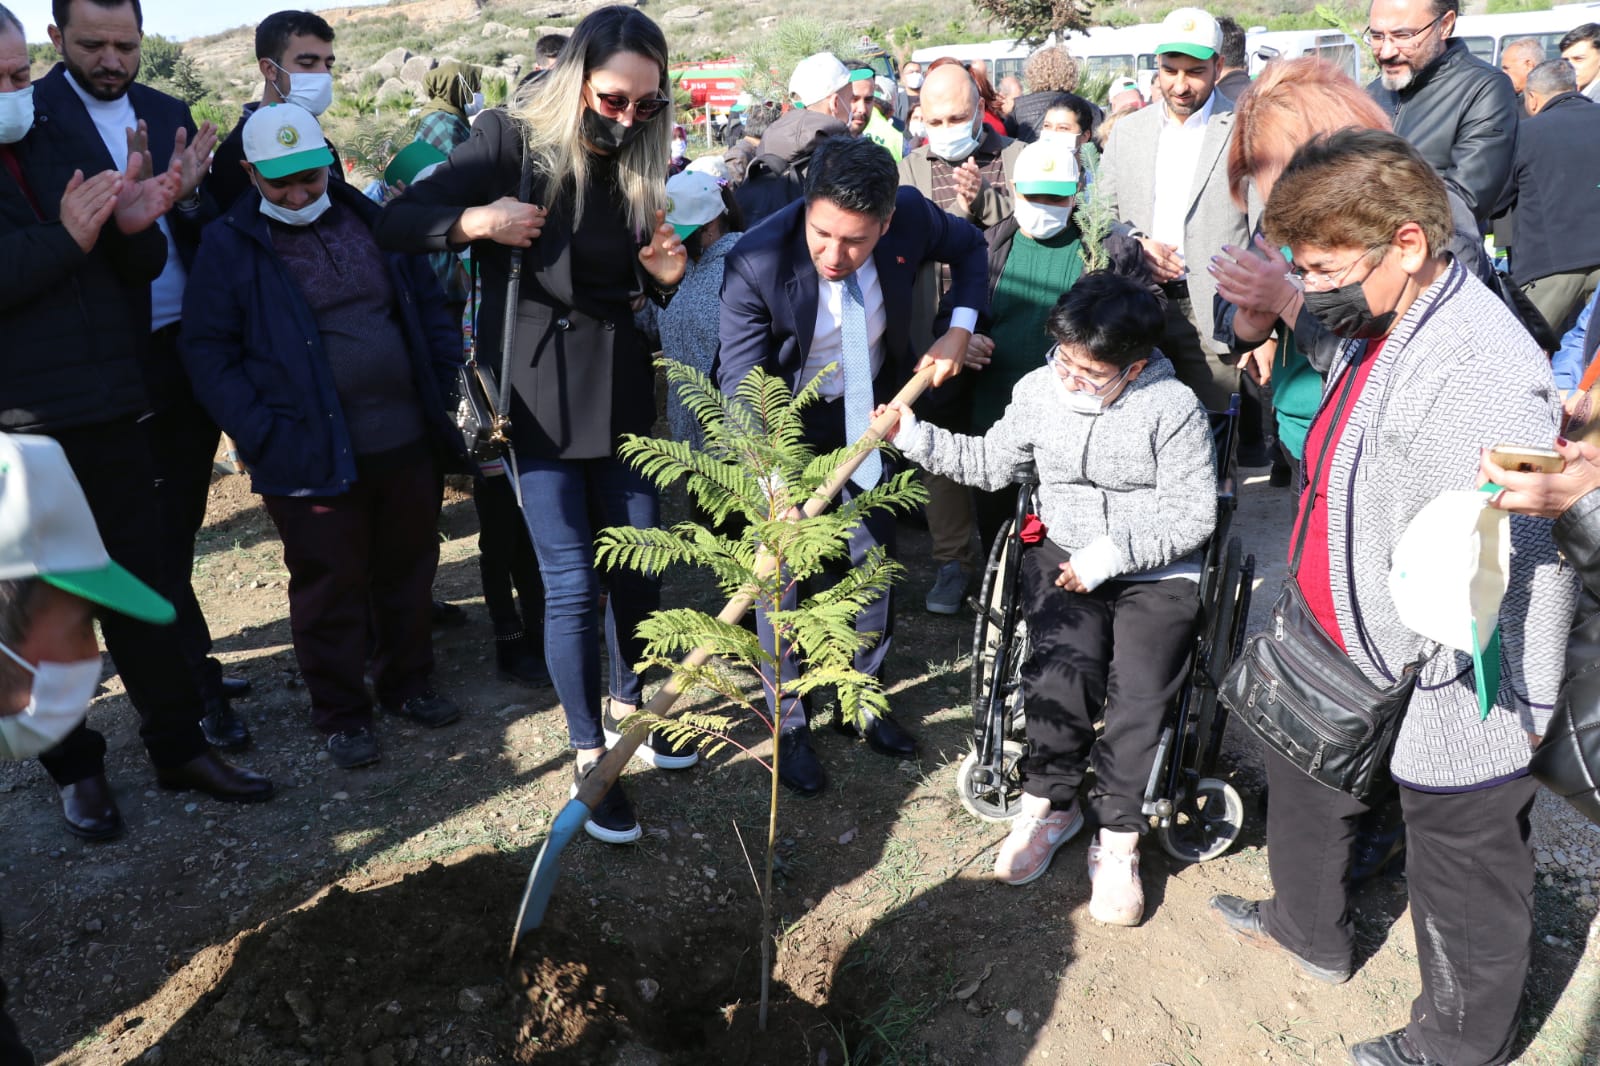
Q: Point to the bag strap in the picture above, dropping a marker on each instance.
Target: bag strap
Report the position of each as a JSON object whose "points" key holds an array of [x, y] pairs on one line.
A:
{"points": [[1302, 526], [508, 334]]}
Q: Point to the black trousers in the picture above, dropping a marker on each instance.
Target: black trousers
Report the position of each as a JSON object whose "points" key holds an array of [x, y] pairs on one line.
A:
{"points": [[506, 558], [1122, 647], [12, 1051], [1469, 875], [112, 462], [183, 444]]}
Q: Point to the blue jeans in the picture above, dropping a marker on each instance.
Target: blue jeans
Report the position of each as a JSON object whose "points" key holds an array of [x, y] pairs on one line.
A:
{"points": [[566, 502]]}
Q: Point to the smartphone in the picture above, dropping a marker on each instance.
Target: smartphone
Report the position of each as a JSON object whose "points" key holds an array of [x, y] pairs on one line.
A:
{"points": [[1525, 460]]}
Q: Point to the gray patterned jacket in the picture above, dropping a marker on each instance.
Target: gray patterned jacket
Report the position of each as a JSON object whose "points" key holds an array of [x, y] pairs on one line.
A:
{"points": [[1457, 373]]}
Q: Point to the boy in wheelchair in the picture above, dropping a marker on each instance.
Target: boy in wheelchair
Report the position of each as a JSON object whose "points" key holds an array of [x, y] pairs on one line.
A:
{"points": [[1127, 496]]}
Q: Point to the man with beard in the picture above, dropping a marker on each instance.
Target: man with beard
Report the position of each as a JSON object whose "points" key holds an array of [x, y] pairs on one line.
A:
{"points": [[1459, 112], [1165, 175]]}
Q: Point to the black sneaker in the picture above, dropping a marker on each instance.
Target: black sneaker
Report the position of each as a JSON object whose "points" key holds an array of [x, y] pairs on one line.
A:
{"points": [[612, 819], [521, 660], [355, 747], [446, 615], [657, 749], [429, 709]]}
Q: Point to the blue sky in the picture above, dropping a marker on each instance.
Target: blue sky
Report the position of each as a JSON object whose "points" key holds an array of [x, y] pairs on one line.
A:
{"points": [[178, 19]]}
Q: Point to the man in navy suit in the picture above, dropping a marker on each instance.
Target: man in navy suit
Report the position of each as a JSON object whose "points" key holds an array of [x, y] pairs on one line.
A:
{"points": [[829, 279], [84, 362]]}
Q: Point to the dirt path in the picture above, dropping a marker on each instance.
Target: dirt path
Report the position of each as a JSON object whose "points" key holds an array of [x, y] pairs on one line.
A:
{"points": [[361, 919]]}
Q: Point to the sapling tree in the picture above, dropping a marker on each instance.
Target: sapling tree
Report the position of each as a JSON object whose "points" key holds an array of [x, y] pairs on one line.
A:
{"points": [[753, 474]]}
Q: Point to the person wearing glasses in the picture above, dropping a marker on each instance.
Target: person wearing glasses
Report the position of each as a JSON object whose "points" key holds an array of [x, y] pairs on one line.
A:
{"points": [[1127, 496], [1459, 112], [1433, 368], [594, 133]]}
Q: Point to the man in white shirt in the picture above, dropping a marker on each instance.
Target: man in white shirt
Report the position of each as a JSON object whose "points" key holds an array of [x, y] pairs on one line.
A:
{"points": [[1165, 171], [828, 279]]}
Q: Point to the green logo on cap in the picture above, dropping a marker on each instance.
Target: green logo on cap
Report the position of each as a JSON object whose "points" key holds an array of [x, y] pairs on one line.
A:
{"points": [[288, 136]]}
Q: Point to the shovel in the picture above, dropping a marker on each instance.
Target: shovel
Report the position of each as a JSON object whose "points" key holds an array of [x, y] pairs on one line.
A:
{"points": [[547, 867]]}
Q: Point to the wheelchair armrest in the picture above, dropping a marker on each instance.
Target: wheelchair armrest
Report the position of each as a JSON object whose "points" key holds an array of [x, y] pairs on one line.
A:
{"points": [[1027, 474]]}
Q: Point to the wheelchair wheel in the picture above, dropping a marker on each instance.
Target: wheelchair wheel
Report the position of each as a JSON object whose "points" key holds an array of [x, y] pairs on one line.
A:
{"points": [[986, 798], [1224, 631], [987, 637], [1205, 824]]}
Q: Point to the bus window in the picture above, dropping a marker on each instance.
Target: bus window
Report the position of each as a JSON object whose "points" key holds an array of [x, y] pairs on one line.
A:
{"points": [[1003, 68], [1106, 67], [1550, 42], [1481, 47], [1342, 56]]}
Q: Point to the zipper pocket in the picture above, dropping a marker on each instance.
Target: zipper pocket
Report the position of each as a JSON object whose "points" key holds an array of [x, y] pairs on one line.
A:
{"points": [[1278, 693]]}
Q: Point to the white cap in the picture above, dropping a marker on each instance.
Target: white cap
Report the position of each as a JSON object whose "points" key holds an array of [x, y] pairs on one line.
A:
{"points": [[817, 77], [1450, 568], [1046, 168], [284, 139], [1192, 32], [47, 532], [713, 165], [693, 199]]}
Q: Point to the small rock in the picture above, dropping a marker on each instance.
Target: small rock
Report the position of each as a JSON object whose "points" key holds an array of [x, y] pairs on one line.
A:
{"points": [[1108, 1034], [648, 989], [847, 836], [1541, 857], [1014, 1017], [155, 1054], [190, 808], [305, 1011], [469, 1000], [341, 795]]}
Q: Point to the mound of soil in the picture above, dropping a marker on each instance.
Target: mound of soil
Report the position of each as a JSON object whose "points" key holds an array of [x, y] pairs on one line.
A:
{"points": [[409, 965]]}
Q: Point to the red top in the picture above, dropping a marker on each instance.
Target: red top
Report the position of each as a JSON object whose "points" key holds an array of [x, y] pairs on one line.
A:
{"points": [[1315, 577]]}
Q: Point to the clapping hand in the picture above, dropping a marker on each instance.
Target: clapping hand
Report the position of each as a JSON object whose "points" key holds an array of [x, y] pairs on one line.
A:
{"points": [[86, 205], [195, 157], [664, 257], [1256, 281], [142, 202], [969, 183]]}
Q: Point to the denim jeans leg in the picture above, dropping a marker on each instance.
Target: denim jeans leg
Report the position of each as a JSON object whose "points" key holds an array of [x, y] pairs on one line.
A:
{"points": [[556, 498], [625, 498]]}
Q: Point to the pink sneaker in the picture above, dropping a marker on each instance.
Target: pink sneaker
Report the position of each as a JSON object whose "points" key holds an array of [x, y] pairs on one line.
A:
{"points": [[1118, 897], [1036, 835]]}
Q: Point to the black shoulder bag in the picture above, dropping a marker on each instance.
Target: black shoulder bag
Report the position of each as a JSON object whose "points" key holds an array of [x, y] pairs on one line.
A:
{"points": [[482, 413], [1300, 693]]}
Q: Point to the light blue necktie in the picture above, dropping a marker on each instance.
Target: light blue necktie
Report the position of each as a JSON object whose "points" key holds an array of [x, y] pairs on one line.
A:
{"points": [[858, 380]]}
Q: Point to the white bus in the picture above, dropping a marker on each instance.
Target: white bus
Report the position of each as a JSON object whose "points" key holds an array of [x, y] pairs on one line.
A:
{"points": [[1487, 35], [1002, 57], [1130, 51]]}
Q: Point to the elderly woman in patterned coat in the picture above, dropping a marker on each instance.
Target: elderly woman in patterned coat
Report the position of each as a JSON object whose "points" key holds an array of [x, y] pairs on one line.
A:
{"points": [[1433, 368]]}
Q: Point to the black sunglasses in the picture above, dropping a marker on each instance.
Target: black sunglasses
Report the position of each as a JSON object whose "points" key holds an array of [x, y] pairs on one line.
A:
{"points": [[645, 109]]}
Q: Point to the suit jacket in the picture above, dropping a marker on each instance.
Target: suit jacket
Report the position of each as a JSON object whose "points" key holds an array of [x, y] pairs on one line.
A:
{"points": [[163, 116], [1128, 176], [1552, 188], [769, 290]]}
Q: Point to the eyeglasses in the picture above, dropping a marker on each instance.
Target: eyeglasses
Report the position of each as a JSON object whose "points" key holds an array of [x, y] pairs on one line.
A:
{"points": [[1054, 359], [1321, 280], [618, 104], [1399, 38]]}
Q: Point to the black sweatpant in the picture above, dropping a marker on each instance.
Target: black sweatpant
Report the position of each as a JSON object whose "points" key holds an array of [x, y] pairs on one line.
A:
{"points": [[506, 558], [1122, 647], [113, 464], [1469, 874]]}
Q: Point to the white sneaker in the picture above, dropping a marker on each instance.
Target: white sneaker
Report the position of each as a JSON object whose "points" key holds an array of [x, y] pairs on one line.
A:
{"points": [[1037, 833], [1118, 897]]}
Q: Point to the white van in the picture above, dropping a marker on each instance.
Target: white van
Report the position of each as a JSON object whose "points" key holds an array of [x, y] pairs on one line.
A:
{"points": [[1487, 35], [1002, 57], [1110, 52]]}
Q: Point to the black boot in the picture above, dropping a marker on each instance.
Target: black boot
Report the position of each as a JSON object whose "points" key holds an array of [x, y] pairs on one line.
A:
{"points": [[223, 729], [521, 659]]}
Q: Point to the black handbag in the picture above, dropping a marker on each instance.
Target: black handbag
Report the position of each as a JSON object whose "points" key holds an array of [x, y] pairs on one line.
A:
{"points": [[482, 411], [1299, 692], [1567, 760]]}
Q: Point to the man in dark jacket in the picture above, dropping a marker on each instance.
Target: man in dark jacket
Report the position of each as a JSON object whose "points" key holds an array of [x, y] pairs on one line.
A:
{"points": [[821, 88], [75, 309], [1457, 110], [326, 360], [1552, 188]]}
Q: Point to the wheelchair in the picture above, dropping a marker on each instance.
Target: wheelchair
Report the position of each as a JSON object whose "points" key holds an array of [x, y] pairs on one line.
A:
{"points": [[1198, 816]]}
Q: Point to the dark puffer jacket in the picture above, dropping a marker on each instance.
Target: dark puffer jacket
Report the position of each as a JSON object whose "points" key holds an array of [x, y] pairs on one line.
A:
{"points": [[1569, 755]]}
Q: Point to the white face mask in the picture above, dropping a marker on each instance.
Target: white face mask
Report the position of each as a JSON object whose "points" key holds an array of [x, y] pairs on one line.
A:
{"points": [[16, 115], [476, 106], [1041, 221], [1082, 401], [302, 217], [913, 81], [60, 699], [917, 130], [314, 92], [953, 143]]}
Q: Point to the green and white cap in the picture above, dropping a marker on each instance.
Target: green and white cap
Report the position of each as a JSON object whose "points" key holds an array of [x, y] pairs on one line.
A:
{"points": [[284, 139], [1192, 32], [693, 199], [1046, 168], [47, 532]]}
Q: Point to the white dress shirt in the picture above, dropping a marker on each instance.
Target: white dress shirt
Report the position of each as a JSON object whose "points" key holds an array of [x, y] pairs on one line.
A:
{"points": [[827, 338], [112, 119], [1177, 155]]}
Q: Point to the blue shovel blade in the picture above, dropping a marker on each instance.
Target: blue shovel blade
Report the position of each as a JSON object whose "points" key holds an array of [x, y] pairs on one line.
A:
{"points": [[546, 869]]}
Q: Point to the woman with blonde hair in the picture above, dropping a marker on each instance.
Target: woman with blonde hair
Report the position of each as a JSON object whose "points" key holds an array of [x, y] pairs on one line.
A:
{"points": [[571, 182]]}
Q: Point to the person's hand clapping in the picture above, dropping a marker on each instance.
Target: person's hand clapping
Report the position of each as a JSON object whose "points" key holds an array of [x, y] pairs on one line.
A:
{"points": [[968, 185], [87, 204], [1256, 281], [141, 203], [194, 157], [664, 257]]}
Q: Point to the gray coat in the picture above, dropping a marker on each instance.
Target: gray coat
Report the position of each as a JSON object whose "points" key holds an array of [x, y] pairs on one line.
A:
{"points": [[1128, 176], [1142, 473], [1457, 373]]}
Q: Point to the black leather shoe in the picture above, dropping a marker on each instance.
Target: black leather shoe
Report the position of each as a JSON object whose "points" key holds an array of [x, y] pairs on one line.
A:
{"points": [[447, 615], [220, 780], [223, 729], [1390, 1049], [799, 769], [521, 660], [89, 808], [1243, 919], [883, 735], [234, 687]]}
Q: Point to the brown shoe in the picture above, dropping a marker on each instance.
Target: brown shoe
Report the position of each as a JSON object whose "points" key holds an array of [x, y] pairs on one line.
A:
{"points": [[89, 808], [220, 780]]}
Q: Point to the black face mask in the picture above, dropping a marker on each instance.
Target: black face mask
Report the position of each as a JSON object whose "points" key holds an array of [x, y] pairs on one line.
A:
{"points": [[607, 134], [1344, 312]]}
